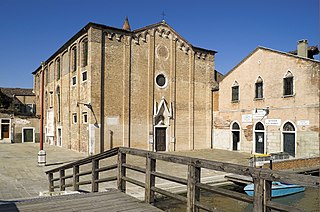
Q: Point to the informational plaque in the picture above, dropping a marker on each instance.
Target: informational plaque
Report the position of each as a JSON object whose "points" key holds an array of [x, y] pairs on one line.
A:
{"points": [[303, 122], [273, 122]]}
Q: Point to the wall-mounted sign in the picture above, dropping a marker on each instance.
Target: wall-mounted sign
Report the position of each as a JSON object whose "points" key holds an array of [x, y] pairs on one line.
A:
{"points": [[273, 122], [113, 120], [247, 118], [303, 122]]}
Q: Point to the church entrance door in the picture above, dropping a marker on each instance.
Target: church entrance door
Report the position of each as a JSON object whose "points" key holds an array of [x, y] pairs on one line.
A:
{"points": [[160, 138]]}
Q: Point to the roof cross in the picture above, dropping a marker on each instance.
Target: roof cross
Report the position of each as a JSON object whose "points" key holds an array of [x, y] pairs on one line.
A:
{"points": [[163, 15]]}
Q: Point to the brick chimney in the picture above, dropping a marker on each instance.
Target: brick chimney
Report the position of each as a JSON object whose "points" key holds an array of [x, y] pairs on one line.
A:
{"points": [[302, 49]]}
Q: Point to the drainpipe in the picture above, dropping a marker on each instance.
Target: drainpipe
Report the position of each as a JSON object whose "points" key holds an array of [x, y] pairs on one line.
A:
{"points": [[42, 153], [102, 91]]}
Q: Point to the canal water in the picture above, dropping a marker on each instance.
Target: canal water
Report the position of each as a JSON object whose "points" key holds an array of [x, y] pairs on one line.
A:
{"points": [[309, 200]]}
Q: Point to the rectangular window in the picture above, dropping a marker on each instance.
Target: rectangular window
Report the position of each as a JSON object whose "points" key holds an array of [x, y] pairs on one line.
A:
{"points": [[74, 57], [30, 108], [85, 53], [74, 118], [84, 76], [259, 90], [74, 80], [288, 86], [85, 117], [235, 93]]}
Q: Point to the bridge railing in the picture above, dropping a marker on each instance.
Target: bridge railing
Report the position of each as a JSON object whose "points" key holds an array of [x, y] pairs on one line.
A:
{"points": [[262, 178]]}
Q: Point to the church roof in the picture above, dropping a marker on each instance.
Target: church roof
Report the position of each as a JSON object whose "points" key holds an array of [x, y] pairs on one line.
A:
{"points": [[121, 31]]}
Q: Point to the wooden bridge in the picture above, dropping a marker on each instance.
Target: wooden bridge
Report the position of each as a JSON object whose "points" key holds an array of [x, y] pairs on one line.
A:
{"points": [[115, 166]]}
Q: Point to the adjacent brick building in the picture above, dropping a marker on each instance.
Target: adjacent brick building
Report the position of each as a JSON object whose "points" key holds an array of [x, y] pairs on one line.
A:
{"points": [[148, 88]]}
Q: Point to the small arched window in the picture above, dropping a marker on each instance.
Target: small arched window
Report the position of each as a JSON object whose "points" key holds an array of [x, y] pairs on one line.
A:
{"points": [[259, 88]]}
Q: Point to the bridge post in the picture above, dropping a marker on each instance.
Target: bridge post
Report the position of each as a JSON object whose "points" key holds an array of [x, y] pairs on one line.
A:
{"points": [[258, 197], [75, 177], [50, 177], [193, 193], [95, 176], [62, 180], [267, 194], [121, 171], [150, 179]]}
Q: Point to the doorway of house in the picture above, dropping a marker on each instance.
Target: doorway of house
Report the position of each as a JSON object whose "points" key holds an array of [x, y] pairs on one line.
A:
{"points": [[28, 135], [5, 131], [235, 136], [289, 141], [259, 135], [160, 139]]}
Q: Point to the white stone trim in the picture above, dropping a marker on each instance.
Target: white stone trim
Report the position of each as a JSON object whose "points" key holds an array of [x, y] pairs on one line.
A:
{"points": [[264, 137], [231, 136]]}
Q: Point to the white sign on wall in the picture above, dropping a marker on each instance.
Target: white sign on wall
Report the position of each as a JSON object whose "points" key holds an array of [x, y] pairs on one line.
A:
{"points": [[113, 120], [303, 122], [50, 123], [247, 118], [273, 122]]}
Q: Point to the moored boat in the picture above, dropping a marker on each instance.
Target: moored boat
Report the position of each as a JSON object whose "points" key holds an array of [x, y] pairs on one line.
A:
{"points": [[278, 189]]}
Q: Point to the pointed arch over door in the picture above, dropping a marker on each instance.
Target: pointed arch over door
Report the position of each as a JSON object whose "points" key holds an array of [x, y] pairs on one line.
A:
{"points": [[259, 132], [289, 138]]}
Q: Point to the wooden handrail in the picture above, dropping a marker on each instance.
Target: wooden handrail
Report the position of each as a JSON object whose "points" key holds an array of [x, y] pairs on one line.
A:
{"points": [[262, 178], [87, 160]]}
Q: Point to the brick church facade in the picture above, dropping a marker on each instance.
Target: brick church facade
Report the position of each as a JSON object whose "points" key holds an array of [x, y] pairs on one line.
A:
{"points": [[147, 88]]}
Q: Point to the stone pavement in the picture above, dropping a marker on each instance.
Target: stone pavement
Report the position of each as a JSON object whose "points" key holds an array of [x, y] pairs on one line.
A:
{"points": [[20, 177]]}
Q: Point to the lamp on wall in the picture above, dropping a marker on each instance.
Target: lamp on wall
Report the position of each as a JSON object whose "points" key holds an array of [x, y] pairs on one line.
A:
{"points": [[88, 105]]}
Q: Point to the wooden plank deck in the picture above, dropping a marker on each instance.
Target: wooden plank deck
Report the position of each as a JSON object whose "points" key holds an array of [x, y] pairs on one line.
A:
{"points": [[110, 201]]}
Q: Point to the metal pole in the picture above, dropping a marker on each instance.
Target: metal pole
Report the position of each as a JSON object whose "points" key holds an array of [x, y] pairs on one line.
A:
{"points": [[42, 153], [41, 106]]}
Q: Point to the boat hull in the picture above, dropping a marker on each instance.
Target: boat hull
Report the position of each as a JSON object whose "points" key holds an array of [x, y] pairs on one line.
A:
{"points": [[278, 189]]}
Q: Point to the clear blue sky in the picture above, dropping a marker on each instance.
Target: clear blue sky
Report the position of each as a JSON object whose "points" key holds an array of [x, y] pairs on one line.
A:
{"points": [[32, 30]]}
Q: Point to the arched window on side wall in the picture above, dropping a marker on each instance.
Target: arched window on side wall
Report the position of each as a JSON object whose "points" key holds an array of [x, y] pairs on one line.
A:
{"points": [[58, 103], [85, 52]]}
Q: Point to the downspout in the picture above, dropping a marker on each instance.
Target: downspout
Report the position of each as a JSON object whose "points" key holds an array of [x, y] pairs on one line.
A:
{"points": [[102, 92]]}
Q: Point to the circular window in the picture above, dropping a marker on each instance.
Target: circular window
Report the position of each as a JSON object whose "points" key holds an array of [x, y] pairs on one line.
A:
{"points": [[161, 80]]}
